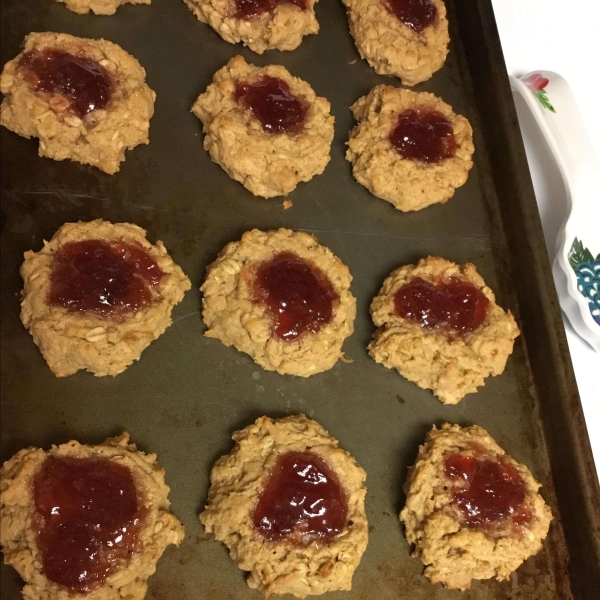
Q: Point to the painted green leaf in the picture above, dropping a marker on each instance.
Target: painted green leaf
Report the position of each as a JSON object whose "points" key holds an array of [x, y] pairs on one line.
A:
{"points": [[544, 100], [579, 253]]}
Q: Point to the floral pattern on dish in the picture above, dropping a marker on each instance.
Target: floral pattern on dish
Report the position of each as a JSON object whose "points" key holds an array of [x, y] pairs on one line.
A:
{"points": [[587, 270], [537, 84]]}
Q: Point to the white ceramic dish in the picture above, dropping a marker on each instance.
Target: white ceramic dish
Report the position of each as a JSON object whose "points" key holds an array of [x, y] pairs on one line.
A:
{"points": [[576, 264]]}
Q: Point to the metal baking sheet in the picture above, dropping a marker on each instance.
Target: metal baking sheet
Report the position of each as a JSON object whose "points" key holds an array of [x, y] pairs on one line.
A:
{"points": [[187, 394]]}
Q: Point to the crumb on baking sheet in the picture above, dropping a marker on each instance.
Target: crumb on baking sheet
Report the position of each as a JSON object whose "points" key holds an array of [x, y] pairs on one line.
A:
{"points": [[287, 203]]}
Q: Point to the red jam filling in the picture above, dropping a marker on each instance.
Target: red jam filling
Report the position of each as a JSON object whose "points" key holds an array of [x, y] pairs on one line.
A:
{"points": [[416, 14], [297, 295], [80, 80], [301, 501], [246, 9], [454, 305], [489, 492], [107, 278], [87, 522], [424, 135], [272, 103]]}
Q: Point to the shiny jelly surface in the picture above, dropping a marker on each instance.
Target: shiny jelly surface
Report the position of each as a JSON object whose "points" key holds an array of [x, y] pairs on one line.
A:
{"points": [[298, 296], [490, 491], [453, 304], [301, 501], [271, 102], [105, 278], [87, 520], [416, 14], [423, 135], [246, 9], [84, 83]]}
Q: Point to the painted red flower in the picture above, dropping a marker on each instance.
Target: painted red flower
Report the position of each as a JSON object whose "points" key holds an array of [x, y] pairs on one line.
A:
{"points": [[536, 82]]}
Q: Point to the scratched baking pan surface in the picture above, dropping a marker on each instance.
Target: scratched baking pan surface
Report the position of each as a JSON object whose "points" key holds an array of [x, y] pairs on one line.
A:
{"points": [[187, 394]]}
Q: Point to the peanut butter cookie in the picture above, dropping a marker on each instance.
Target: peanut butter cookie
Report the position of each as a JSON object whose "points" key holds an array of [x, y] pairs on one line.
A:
{"points": [[289, 505], [283, 299], [85, 521], [472, 512], [98, 7], [409, 148], [266, 129], [86, 100], [259, 24], [405, 38], [439, 326], [97, 294]]}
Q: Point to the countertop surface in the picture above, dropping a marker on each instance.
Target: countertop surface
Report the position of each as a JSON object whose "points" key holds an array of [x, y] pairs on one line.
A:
{"points": [[563, 37]]}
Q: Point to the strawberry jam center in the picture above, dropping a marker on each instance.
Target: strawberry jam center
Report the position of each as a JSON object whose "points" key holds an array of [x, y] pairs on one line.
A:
{"points": [[301, 501], [424, 135], [416, 14], [489, 492], [84, 83], [454, 305], [105, 278], [246, 9], [87, 520], [297, 295], [271, 102]]}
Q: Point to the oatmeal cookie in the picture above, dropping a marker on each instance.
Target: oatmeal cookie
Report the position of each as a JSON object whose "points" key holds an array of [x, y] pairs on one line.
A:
{"points": [[472, 512], [98, 7], [405, 38], [86, 100], [259, 24], [409, 148], [97, 294], [256, 506], [266, 129], [439, 326], [283, 299], [48, 555]]}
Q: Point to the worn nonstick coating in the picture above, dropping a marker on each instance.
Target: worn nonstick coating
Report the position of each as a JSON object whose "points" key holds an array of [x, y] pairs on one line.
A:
{"points": [[187, 394]]}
